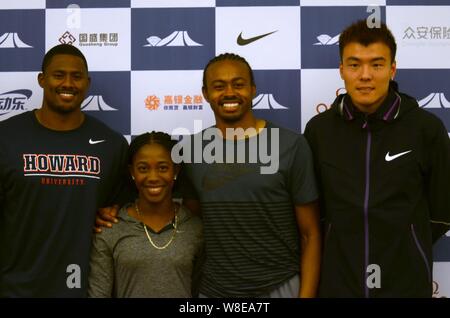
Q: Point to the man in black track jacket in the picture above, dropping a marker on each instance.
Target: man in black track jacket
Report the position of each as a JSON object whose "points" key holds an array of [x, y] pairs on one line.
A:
{"points": [[383, 166]]}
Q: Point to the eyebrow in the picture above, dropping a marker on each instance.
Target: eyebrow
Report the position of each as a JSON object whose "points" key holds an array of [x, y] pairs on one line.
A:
{"points": [[158, 162], [353, 58], [65, 71], [232, 80]]}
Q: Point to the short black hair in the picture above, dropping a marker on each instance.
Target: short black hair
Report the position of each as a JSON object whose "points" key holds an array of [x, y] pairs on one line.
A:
{"points": [[62, 49], [360, 32], [154, 137], [230, 57]]}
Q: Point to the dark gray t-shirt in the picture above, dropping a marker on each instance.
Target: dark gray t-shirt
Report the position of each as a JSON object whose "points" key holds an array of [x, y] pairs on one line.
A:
{"points": [[250, 228]]}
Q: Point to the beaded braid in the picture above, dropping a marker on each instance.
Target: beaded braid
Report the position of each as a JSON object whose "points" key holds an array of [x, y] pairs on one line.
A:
{"points": [[154, 137], [229, 57]]}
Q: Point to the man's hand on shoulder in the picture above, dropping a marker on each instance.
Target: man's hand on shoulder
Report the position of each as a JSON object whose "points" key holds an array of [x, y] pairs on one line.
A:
{"points": [[106, 217]]}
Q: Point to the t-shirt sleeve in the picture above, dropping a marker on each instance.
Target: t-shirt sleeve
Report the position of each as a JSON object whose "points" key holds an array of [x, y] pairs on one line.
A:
{"points": [[302, 180], [101, 275]]}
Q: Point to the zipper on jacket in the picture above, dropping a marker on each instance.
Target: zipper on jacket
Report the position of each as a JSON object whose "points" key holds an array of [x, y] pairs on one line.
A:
{"points": [[366, 207], [422, 253]]}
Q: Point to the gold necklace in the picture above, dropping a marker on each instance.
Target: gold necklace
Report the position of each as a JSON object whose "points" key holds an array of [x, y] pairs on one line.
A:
{"points": [[146, 232]]}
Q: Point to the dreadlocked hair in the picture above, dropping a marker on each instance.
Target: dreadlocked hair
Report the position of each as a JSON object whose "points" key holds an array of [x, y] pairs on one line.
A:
{"points": [[228, 57]]}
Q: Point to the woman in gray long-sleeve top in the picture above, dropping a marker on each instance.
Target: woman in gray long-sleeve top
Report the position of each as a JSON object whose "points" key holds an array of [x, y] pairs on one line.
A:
{"points": [[153, 250]]}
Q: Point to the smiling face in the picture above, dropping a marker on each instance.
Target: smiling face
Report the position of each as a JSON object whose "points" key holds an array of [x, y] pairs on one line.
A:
{"points": [[367, 71], [65, 82], [230, 91], [153, 172]]}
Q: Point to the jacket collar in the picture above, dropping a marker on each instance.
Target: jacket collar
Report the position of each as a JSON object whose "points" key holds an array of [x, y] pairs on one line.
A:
{"points": [[388, 111]]}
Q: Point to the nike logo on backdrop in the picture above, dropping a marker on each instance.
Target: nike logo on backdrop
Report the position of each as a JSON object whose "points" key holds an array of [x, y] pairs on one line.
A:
{"points": [[242, 41], [93, 142], [390, 158]]}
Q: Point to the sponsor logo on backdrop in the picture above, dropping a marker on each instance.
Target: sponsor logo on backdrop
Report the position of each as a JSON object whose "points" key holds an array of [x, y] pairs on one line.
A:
{"points": [[436, 293], [174, 102], [427, 33], [437, 104], [416, 35], [241, 41], [98, 39], [152, 102], [321, 107], [325, 39], [14, 100], [67, 38], [91, 39], [266, 101], [96, 103], [12, 40], [434, 100], [176, 38]]}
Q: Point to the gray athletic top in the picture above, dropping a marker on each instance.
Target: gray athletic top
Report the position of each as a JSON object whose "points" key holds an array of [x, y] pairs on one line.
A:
{"points": [[125, 264], [252, 244]]}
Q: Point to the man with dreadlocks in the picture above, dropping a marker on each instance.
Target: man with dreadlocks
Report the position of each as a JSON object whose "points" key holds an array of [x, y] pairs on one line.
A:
{"points": [[261, 227]]}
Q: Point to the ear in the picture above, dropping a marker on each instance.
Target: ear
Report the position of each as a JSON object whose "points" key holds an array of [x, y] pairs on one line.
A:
{"points": [[130, 169], [253, 91], [205, 93], [40, 79], [393, 70], [341, 70]]}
